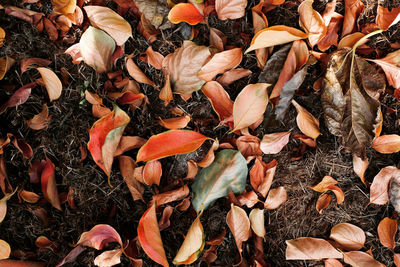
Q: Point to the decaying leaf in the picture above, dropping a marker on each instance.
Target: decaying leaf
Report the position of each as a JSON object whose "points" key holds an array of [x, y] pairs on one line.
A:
{"points": [[28, 63], [230, 9], [349, 236], [387, 230], [64, 6], [239, 224], [227, 172], [350, 100], [309, 248], [155, 11], [352, 10], [135, 72], [19, 97], [5, 65], [233, 75], [183, 66], [386, 17]]}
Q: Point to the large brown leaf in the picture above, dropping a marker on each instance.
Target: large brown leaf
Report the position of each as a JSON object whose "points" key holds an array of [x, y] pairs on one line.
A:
{"points": [[155, 11], [350, 100]]}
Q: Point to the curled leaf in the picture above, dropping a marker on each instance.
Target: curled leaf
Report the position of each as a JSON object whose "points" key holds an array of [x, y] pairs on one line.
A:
{"points": [[307, 123], [219, 98], [186, 12], [230, 9], [312, 22], [41, 120], [275, 198], [380, 186], [257, 222], [361, 259], [239, 224], [49, 186], [387, 230], [152, 172], [5, 250]]}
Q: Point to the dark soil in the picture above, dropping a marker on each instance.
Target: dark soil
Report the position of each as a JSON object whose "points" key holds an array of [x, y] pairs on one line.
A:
{"points": [[97, 203]]}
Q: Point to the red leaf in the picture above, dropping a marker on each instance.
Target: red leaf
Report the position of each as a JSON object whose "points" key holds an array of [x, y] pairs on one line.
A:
{"points": [[19, 97], [49, 186]]}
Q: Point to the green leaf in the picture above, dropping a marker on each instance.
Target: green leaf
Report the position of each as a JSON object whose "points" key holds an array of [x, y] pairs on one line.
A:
{"points": [[228, 171]]}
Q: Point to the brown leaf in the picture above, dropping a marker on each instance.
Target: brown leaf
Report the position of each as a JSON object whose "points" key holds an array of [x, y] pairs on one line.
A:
{"points": [[154, 58], [352, 10], [386, 17], [239, 224], [360, 166], [41, 120], [349, 236], [29, 197], [260, 22], [155, 11], [391, 66], [183, 66], [49, 184], [108, 258], [380, 186], [64, 6], [219, 98], [137, 73], [220, 63], [361, 259], [5, 65], [387, 230], [331, 37], [128, 143], [152, 172], [312, 22], [387, 144], [230, 9], [323, 202], [50, 29], [217, 39], [19, 97], [166, 91], [329, 184], [307, 123], [249, 146], [309, 248], [396, 259], [332, 263], [248, 199], [261, 176], [350, 100], [171, 196], [276, 197], [233, 75], [273, 143], [127, 166], [28, 63]]}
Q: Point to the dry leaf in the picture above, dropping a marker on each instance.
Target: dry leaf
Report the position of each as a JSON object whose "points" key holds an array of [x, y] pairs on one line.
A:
{"points": [[306, 122], [239, 224], [171, 196], [64, 6], [385, 17], [387, 144], [137, 73], [217, 39], [5, 250], [49, 185], [352, 10], [249, 146], [5, 65], [329, 184], [19, 97], [219, 98], [380, 186], [108, 258], [387, 230], [166, 91], [127, 166], [349, 236], [29, 197], [312, 22], [276, 197], [323, 202], [361, 259], [360, 166], [230, 9], [128, 143], [273, 143], [233, 75], [155, 11], [332, 263], [154, 58], [152, 172], [28, 63], [41, 120], [261, 176], [175, 123], [257, 222], [309, 248], [391, 66]]}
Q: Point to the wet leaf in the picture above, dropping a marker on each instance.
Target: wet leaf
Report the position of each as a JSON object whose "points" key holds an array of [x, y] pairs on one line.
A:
{"points": [[193, 244], [273, 143], [154, 58], [361, 259], [105, 136], [312, 22], [219, 98], [109, 21], [387, 144], [186, 12], [220, 63], [150, 237], [387, 230], [49, 185], [275, 35], [239, 224], [183, 66], [309, 248], [276, 197], [41, 120], [108, 258], [257, 222], [307, 123], [380, 186], [230, 9], [96, 48], [391, 66], [170, 143], [250, 105], [349, 236], [227, 172], [350, 100], [152, 172], [5, 250]]}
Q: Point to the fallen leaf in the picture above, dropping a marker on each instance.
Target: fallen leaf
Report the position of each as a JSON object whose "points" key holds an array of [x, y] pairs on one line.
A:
{"points": [[324, 185], [323, 202], [260, 22], [385, 17], [171, 196], [350, 40], [332, 263], [28, 63], [166, 91], [331, 37], [248, 199], [273, 143], [361, 259], [249, 105], [239, 224], [306, 122], [99, 236], [349, 236], [275, 35], [128, 143], [50, 29], [276, 197], [64, 6], [29, 197], [380, 186], [396, 259], [109, 21], [261, 176], [5, 250], [175, 123], [219, 98], [2, 36], [22, 146], [387, 230], [387, 144], [3, 205], [391, 66], [105, 136], [220, 63], [306, 140], [45, 243], [137, 73], [5, 65], [350, 100], [183, 66], [16, 263], [230, 9], [232, 75], [173, 142], [150, 238], [352, 10], [96, 49], [227, 172], [217, 39], [154, 58], [360, 166], [127, 166], [249, 146], [257, 222], [108, 258], [309, 248], [312, 22], [185, 12], [49, 186], [152, 172], [41, 120], [193, 244], [155, 11]]}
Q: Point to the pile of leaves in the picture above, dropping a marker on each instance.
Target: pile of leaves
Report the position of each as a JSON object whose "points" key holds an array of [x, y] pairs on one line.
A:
{"points": [[232, 154]]}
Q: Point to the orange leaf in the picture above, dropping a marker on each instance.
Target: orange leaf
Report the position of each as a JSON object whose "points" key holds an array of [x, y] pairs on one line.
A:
{"points": [[15, 263], [233, 75], [250, 105], [385, 18], [22, 146], [248, 199], [332, 263], [352, 10], [152, 172], [260, 22], [108, 258], [324, 185], [128, 143], [41, 120], [387, 230], [380, 186], [349, 236], [360, 166], [239, 224], [105, 136], [170, 143], [2, 36], [396, 259], [261, 176], [306, 140], [175, 123], [154, 58], [220, 63], [170, 196], [323, 202], [137, 73], [331, 37], [186, 12], [391, 66], [5, 65], [150, 238], [387, 144], [309, 248], [44, 242], [109, 21], [306, 122], [361, 259], [274, 142], [5, 250], [166, 91], [64, 6], [312, 22], [127, 167], [3, 205], [275, 198], [29, 197], [275, 35], [49, 186], [217, 39], [230, 9], [219, 98], [249, 146]]}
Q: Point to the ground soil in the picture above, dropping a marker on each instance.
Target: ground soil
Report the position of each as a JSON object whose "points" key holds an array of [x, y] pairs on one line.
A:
{"points": [[98, 203]]}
